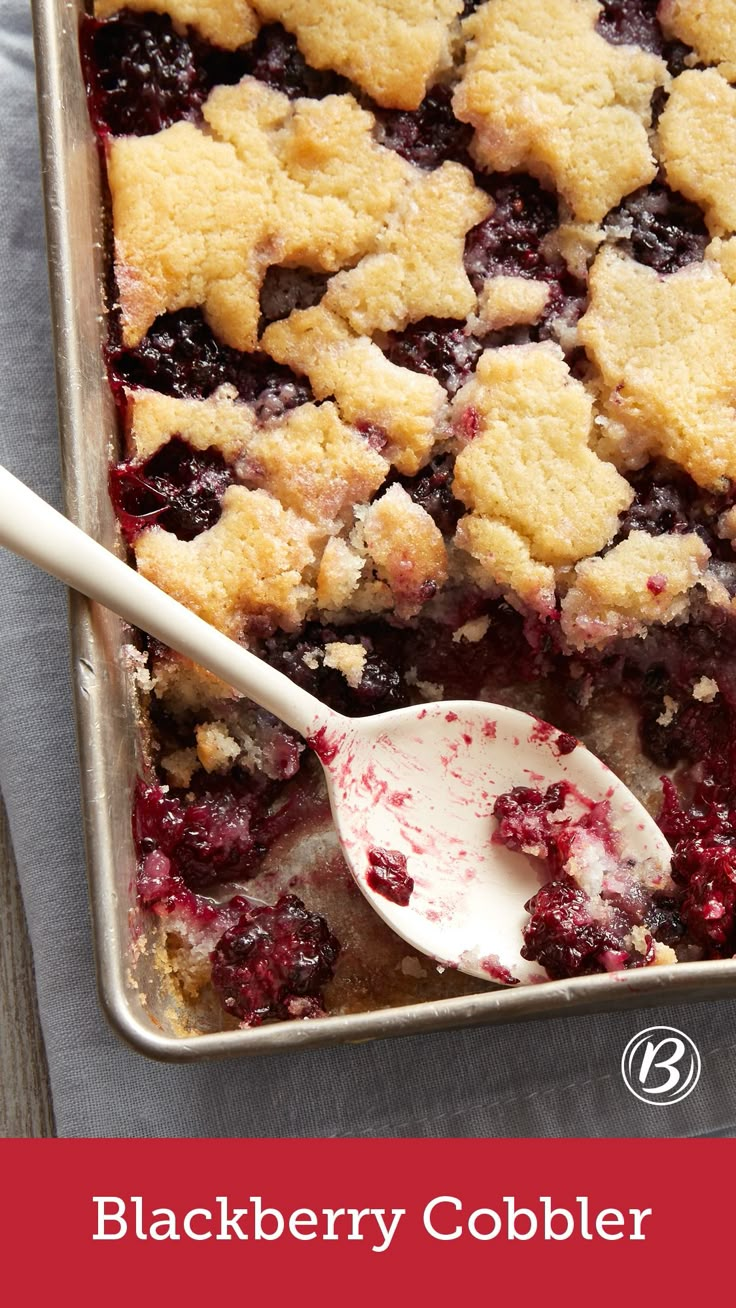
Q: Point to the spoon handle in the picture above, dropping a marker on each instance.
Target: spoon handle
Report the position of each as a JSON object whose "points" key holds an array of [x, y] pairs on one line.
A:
{"points": [[32, 528]]}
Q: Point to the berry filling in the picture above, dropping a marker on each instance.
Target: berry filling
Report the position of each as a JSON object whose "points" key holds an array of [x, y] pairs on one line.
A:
{"points": [[181, 356], [437, 347], [142, 75], [430, 134], [178, 488], [382, 685], [581, 920], [275, 58], [387, 875], [274, 963], [703, 835], [660, 228], [509, 240], [632, 22], [431, 489], [213, 835]]}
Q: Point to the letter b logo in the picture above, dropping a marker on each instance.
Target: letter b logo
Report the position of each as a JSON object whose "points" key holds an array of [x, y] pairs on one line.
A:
{"points": [[661, 1065]]}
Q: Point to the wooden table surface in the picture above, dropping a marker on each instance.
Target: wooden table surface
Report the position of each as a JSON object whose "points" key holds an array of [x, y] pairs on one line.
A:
{"points": [[25, 1100]]}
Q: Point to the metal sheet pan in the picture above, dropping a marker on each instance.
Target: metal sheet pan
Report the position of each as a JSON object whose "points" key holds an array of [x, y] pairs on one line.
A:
{"points": [[130, 991]]}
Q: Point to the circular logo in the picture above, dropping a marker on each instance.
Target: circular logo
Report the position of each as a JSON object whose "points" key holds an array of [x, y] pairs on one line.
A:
{"points": [[661, 1065]]}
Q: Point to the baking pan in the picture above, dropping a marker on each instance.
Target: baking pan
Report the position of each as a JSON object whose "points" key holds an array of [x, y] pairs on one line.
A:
{"points": [[130, 988]]}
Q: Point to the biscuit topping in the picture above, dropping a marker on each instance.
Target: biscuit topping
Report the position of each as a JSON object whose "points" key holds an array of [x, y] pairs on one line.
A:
{"points": [[546, 93], [393, 49], [529, 471], [252, 563], [697, 133], [199, 215], [665, 349], [709, 26], [229, 23], [645, 579], [417, 270], [369, 389]]}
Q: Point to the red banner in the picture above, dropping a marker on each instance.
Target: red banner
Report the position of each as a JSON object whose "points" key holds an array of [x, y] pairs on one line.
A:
{"points": [[319, 1222]]}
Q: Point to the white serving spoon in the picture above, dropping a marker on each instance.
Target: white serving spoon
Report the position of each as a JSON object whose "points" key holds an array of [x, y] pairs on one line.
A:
{"points": [[419, 781]]}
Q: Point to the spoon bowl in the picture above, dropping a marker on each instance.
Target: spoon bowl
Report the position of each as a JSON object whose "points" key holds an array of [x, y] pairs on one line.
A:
{"points": [[412, 791], [421, 782]]}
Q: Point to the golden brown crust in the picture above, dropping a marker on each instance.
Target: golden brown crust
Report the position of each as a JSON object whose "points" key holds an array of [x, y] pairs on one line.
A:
{"points": [[368, 388], [697, 138], [229, 23], [546, 93], [529, 470], [664, 347], [644, 580], [256, 561], [406, 548], [393, 49], [199, 215], [709, 26], [417, 268]]}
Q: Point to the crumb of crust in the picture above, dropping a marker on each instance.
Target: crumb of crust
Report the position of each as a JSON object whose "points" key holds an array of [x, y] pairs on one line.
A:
{"points": [[407, 549], [228, 23], [368, 388], [705, 690], [219, 422], [723, 252], [393, 49], [255, 562], [184, 687], [216, 748], [507, 301], [546, 93], [472, 631], [664, 348], [417, 269], [315, 464], [641, 941], [199, 214], [347, 659], [697, 145], [340, 571], [644, 580], [669, 712], [709, 26], [540, 498], [136, 661], [727, 524], [180, 766], [576, 244]]}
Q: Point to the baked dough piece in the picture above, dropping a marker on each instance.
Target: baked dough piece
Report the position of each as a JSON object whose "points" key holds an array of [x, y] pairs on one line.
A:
{"points": [[644, 580], [255, 562], [507, 301], [709, 26], [315, 464], [540, 498], [392, 48], [546, 93], [199, 214], [222, 422], [666, 351], [229, 23], [417, 270], [697, 136], [406, 548], [368, 388]]}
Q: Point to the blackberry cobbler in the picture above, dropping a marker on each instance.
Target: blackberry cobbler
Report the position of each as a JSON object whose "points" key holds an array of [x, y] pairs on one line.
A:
{"points": [[423, 337]]}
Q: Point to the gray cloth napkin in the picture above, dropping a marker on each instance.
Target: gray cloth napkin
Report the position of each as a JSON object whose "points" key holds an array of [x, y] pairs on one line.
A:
{"points": [[553, 1078]]}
